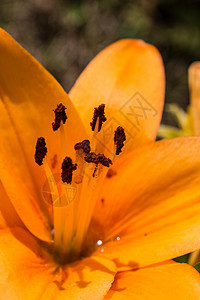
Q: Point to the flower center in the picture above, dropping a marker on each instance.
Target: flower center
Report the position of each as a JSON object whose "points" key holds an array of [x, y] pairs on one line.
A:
{"points": [[85, 175]]}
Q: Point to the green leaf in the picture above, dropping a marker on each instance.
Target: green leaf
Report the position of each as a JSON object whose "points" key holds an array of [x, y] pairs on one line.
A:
{"points": [[197, 267], [182, 259]]}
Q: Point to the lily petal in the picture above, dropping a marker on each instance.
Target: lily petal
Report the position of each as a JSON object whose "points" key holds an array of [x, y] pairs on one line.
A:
{"points": [[159, 210], [26, 275], [167, 281], [28, 95], [90, 278], [131, 252], [128, 77], [8, 215]]}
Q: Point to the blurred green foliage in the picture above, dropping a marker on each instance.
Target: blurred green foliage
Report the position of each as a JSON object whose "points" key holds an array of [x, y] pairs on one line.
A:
{"points": [[65, 35], [197, 267], [182, 259]]}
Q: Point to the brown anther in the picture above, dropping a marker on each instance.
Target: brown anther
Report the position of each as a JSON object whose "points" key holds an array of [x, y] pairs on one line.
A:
{"points": [[119, 139], [67, 169], [98, 113], [104, 160], [40, 151], [84, 145], [98, 159], [60, 115]]}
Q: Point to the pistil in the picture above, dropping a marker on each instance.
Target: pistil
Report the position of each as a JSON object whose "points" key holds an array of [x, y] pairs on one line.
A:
{"points": [[94, 175]]}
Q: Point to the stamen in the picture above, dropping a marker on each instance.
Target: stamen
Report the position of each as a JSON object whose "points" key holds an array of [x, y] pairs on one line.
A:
{"points": [[91, 188], [68, 206], [119, 139], [60, 115], [104, 160], [40, 151], [98, 159], [67, 169], [55, 200], [84, 145], [98, 113]]}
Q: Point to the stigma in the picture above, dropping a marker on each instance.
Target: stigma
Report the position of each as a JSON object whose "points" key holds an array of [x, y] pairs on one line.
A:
{"points": [[84, 145]]}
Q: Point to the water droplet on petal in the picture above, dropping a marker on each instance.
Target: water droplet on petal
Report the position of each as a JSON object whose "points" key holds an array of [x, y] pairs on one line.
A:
{"points": [[99, 242]]}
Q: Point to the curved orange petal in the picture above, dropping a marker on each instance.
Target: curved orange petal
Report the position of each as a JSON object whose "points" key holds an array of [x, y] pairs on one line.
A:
{"points": [[90, 278], [167, 281], [128, 77], [26, 275], [8, 215], [28, 95], [159, 210], [23, 271], [167, 243], [167, 170]]}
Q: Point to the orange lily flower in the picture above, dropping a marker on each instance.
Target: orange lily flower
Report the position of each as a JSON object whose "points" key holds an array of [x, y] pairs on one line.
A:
{"points": [[114, 237]]}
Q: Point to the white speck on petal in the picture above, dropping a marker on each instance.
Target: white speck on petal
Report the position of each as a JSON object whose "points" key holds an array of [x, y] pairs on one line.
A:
{"points": [[99, 242]]}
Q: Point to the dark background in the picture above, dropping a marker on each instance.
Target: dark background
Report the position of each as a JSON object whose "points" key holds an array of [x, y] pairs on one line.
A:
{"points": [[65, 35]]}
